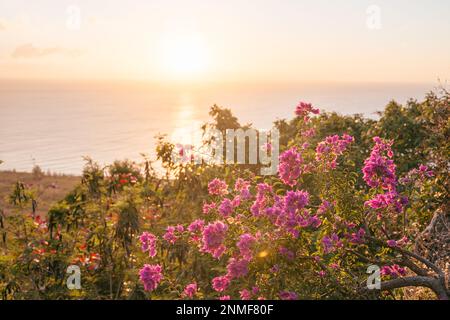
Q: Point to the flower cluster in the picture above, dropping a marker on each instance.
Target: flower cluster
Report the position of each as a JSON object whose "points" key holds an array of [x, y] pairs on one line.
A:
{"points": [[379, 168], [331, 243], [419, 175], [226, 207], [245, 245], [389, 199], [151, 276], [379, 172], [208, 207], [148, 243], [393, 271], [289, 212], [304, 110], [237, 268], [220, 283], [327, 151], [357, 237], [264, 192], [243, 187], [288, 295], [196, 229], [190, 290], [218, 187], [397, 243], [173, 233], [213, 237], [290, 166]]}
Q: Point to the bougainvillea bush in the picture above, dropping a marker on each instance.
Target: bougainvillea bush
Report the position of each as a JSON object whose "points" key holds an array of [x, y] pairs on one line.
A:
{"points": [[348, 199]]}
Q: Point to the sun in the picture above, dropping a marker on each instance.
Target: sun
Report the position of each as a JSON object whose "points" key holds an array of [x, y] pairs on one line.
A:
{"points": [[185, 55]]}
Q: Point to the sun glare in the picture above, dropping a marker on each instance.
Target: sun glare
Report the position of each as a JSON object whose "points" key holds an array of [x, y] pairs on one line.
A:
{"points": [[185, 55]]}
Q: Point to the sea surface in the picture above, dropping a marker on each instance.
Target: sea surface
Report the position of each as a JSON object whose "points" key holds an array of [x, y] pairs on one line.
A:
{"points": [[55, 124]]}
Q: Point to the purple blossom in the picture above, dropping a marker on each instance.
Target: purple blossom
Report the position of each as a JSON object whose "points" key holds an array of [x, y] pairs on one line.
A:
{"points": [[151, 276], [290, 167], [245, 245], [304, 110], [389, 199], [329, 149], [196, 226], [245, 294], [288, 295], [331, 243], [170, 235], [148, 243], [263, 194], [226, 208], [243, 187], [393, 271], [290, 255], [392, 243], [379, 168], [324, 207], [213, 237], [220, 283], [190, 290], [218, 187], [358, 237], [295, 201], [237, 268], [208, 207]]}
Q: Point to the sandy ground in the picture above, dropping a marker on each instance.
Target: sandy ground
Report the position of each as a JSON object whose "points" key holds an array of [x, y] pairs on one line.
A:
{"points": [[48, 189]]}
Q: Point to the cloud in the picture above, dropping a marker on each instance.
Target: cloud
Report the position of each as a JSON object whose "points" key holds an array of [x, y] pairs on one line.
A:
{"points": [[2, 25], [29, 51]]}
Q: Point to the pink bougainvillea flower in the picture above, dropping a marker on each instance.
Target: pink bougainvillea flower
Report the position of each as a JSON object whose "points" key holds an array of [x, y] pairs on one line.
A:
{"points": [[237, 268], [190, 290], [196, 226], [220, 283], [288, 295], [245, 294], [151, 276], [389, 199], [148, 243], [243, 187], [213, 237], [218, 187], [379, 168], [226, 208], [290, 166], [393, 271], [331, 243], [328, 150], [289, 254], [357, 237], [245, 245], [208, 207], [304, 110], [170, 235]]}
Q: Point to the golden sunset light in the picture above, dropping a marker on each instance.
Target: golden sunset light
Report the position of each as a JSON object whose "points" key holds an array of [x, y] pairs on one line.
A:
{"points": [[193, 153], [185, 56]]}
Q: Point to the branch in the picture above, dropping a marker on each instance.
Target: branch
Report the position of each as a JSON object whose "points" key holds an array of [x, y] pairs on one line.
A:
{"points": [[426, 262], [418, 281]]}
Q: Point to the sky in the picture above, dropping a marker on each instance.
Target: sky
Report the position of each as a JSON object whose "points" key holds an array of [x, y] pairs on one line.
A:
{"points": [[284, 41]]}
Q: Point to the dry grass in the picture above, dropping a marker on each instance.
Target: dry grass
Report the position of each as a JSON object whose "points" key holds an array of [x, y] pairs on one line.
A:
{"points": [[47, 188]]}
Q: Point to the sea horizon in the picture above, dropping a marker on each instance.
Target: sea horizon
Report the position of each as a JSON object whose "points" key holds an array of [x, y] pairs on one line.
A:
{"points": [[55, 123]]}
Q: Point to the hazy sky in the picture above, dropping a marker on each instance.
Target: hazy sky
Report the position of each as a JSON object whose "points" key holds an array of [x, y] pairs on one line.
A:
{"points": [[232, 40]]}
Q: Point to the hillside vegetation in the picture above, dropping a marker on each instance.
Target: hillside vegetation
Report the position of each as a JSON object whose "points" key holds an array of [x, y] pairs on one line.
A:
{"points": [[351, 194]]}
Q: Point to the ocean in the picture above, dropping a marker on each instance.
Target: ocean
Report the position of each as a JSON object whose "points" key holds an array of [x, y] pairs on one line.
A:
{"points": [[55, 124]]}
